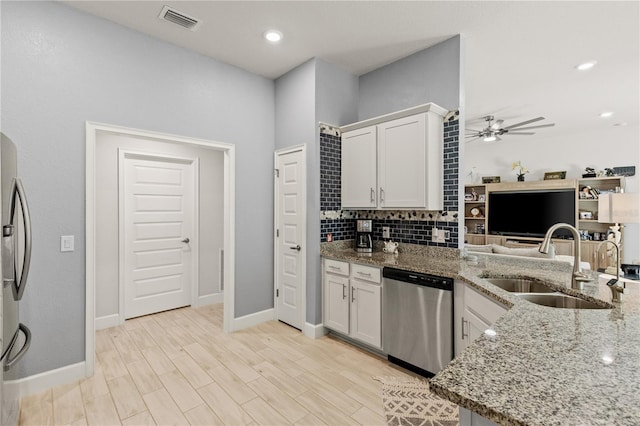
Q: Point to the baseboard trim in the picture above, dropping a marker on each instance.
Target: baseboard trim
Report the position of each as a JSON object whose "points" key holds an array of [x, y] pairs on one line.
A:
{"points": [[314, 331], [253, 319], [211, 299], [107, 321], [48, 379]]}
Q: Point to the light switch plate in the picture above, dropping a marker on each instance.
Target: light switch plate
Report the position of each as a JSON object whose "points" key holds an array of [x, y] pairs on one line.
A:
{"points": [[67, 243]]}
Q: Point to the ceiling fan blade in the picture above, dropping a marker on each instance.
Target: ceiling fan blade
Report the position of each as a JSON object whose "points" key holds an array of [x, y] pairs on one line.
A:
{"points": [[472, 130], [536, 127], [497, 124], [533, 120], [520, 133], [475, 135]]}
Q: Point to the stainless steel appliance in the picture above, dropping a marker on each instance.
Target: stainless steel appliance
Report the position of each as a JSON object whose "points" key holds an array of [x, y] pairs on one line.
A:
{"points": [[364, 242], [16, 258], [417, 320]]}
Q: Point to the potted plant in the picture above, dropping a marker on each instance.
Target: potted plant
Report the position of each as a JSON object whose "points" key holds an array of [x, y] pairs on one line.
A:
{"points": [[520, 170]]}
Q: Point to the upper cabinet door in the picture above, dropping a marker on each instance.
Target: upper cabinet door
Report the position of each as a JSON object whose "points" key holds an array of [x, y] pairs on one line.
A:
{"points": [[359, 186], [401, 162]]}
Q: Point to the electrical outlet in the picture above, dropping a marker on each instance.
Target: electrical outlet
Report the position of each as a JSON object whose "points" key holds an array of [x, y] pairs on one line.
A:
{"points": [[437, 235], [386, 232]]}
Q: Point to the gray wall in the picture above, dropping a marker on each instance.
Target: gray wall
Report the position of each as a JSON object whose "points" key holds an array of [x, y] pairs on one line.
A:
{"points": [[336, 104], [431, 75], [295, 125], [61, 67], [295, 106], [210, 212], [312, 92]]}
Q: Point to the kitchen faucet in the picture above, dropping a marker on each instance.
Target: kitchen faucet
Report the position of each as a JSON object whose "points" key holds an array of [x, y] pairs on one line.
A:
{"points": [[577, 277], [616, 291]]}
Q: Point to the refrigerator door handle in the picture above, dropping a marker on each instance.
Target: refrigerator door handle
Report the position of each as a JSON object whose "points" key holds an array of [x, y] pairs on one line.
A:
{"points": [[11, 360], [8, 232]]}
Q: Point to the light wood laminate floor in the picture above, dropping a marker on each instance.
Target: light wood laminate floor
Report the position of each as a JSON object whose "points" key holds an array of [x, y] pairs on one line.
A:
{"points": [[178, 367]]}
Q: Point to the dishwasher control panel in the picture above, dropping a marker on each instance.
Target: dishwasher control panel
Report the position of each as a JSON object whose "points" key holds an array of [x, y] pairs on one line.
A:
{"points": [[442, 283]]}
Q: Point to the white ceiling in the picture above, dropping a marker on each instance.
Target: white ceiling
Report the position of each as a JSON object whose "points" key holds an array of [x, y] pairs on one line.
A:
{"points": [[519, 56]]}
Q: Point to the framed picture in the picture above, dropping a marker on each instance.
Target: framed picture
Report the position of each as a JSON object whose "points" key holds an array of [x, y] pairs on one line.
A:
{"points": [[490, 179], [555, 175], [586, 215], [481, 198]]}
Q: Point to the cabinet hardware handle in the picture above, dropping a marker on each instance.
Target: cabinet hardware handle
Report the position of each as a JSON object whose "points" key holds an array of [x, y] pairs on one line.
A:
{"points": [[344, 296], [381, 195], [373, 196], [353, 295], [462, 322], [334, 267], [366, 274]]}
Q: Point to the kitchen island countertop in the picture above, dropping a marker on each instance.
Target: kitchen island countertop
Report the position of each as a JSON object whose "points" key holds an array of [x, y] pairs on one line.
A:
{"points": [[543, 366]]}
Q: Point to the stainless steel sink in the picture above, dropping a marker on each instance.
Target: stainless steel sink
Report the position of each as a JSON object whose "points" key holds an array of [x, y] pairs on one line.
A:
{"points": [[520, 285], [559, 300]]}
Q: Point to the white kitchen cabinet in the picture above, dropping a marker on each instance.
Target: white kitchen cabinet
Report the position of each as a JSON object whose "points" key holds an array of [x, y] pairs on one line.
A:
{"points": [[366, 304], [353, 301], [359, 168], [365, 313], [407, 178], [399, 158], [474, 313], [336, 302]]}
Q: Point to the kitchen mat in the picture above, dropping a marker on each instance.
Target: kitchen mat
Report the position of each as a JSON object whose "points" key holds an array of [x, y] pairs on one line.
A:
{"points": [[409, 402]]}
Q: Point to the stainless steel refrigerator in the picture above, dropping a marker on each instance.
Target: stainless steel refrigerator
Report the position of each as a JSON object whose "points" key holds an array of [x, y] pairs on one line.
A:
{"points": [[16, 258]]}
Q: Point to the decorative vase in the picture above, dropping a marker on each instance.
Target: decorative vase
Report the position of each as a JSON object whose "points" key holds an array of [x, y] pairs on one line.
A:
{"points": [[520, 178]]}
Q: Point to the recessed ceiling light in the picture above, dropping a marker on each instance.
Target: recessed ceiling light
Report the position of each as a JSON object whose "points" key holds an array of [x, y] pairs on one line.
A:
{"points": [[606, 114], [273, 36], [586, 65]]}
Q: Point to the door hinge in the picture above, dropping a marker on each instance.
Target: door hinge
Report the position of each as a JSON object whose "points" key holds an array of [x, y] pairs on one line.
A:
{"points": [[277, 233], [277, 172], [277, 292]]}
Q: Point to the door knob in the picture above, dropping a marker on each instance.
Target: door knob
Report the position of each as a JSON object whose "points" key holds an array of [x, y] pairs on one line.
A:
{"points": [[186, 240], [298, 248]]}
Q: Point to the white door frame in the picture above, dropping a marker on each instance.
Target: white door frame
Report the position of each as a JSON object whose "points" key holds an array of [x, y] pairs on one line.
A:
{"points": [[92, 131], [195, 243], [303, 243]]}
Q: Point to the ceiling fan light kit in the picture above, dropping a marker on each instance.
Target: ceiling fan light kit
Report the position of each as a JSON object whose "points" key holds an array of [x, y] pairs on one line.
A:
{"points": [[494, 130]]}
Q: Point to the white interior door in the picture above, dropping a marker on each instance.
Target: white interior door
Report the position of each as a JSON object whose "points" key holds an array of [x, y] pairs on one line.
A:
{"points": [[158, 218], [290, 236]]}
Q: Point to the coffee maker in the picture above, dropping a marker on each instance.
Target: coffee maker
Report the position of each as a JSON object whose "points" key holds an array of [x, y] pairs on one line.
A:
{"points": [[364, 242]]}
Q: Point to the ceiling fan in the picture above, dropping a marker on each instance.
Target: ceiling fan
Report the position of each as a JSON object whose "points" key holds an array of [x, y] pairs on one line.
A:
{"points": [[494, 130]]}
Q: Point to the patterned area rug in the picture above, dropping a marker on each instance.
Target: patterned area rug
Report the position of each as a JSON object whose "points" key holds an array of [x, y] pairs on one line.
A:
{"points": [[409, 402]]}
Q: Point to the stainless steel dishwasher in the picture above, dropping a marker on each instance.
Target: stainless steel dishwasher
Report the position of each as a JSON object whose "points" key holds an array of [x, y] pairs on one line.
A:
{"points": [[417, 320]]}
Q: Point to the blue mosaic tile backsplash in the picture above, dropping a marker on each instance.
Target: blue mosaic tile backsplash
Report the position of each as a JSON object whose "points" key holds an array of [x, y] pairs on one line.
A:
{"points": [[330, 162], [404, 228]]}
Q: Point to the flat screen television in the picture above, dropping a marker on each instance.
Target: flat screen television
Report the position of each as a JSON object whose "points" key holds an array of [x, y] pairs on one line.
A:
{"points": [[530, 213]]}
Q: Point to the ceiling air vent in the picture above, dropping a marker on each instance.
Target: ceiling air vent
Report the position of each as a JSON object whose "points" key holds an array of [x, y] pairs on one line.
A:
{"points": [[179, 18]]}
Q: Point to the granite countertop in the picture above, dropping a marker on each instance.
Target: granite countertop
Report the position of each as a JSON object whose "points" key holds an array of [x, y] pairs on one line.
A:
{"points": [[544, 366]]}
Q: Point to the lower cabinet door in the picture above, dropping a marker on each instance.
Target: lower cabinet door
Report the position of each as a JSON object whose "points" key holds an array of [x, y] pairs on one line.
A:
{"points": [[366, 318], [475, 325], [336, 303]]}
